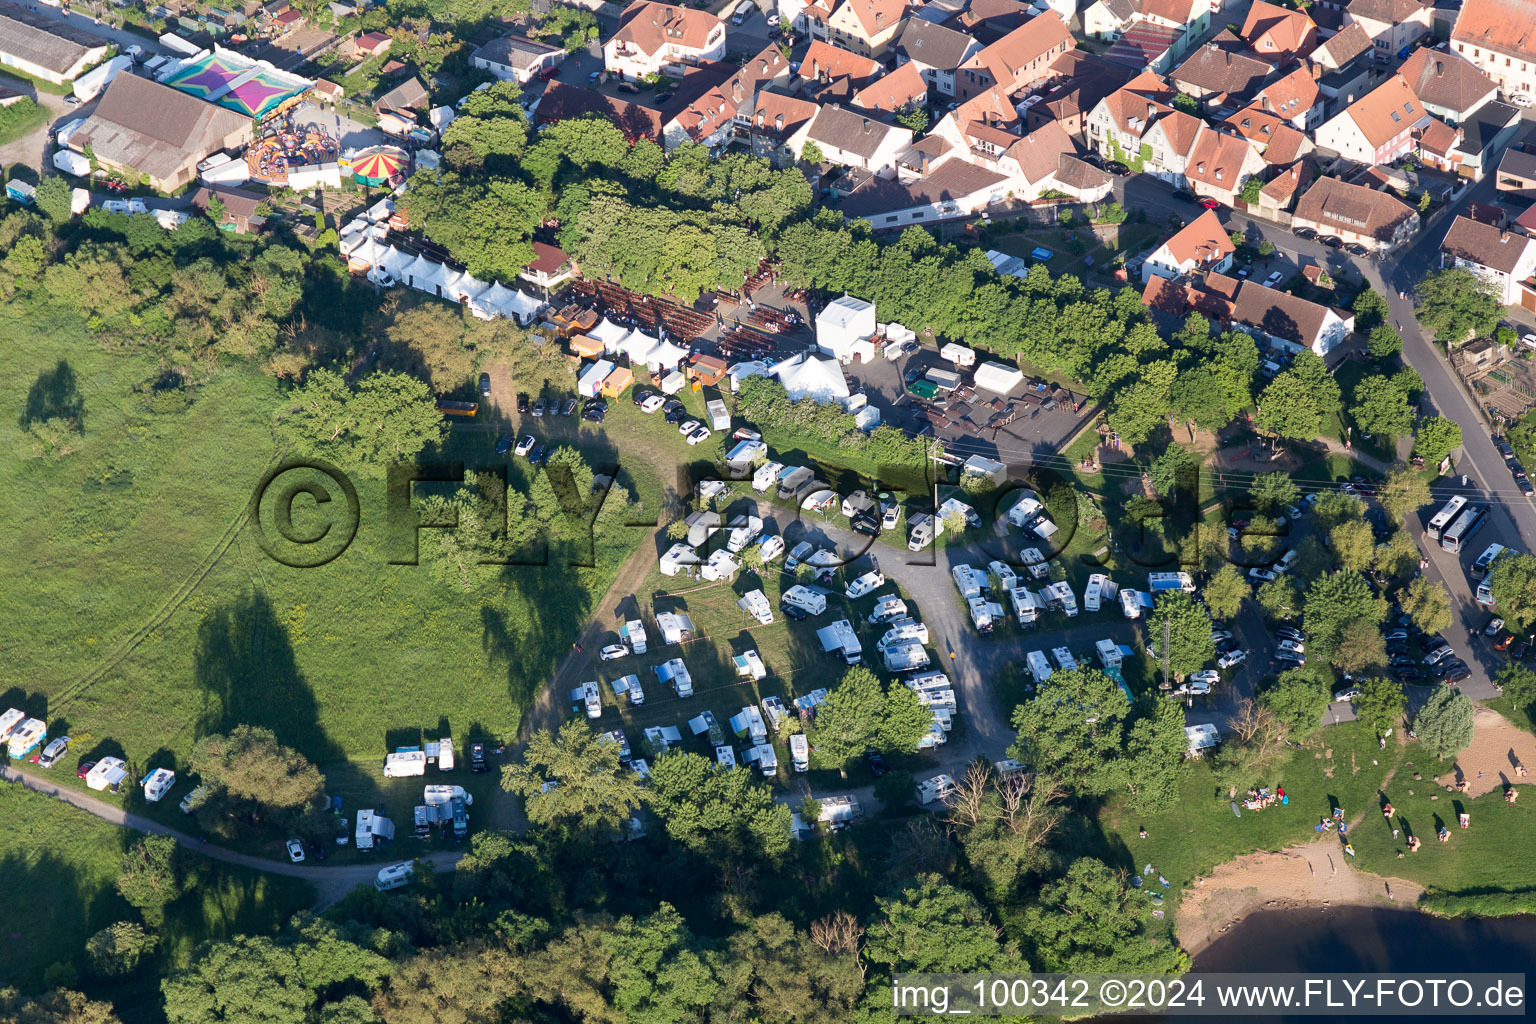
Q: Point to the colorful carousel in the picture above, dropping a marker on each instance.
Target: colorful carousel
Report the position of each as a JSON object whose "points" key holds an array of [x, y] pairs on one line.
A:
{"points": [[379, 166], [288, 146]]}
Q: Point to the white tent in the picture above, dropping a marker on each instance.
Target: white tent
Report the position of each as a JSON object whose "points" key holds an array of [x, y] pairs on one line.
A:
{"points": [[610, 334], [998, 377], [665, 356], [741, 371], [462, 287], [392, 262], [814, 377], [424, 275], [842, 324], [498, 300], [638, 346]]}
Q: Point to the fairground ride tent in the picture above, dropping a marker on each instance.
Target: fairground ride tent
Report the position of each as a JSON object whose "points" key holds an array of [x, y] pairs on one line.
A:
{"points": [[377, 166], [255, 89]]}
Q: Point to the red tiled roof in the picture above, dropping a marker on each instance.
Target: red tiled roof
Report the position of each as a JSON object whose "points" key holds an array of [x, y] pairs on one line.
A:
{"points": [[1271, 29], [651, 26], [546, 259], [1201, 241], [900, 88], [1508, 26], [1386, 111]]}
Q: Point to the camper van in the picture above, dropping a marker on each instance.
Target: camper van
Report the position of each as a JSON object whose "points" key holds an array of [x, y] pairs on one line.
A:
{"points": [[675, 674], [872, 580], [968, 581], [9, 721], [1163, 582], [937, 788], [1060, 597], [1064, 659], [800, 752], [590, 697], [1026, 605], [393, 877], [840, 639], [924, 528], [373, 828], [404, 762], [1100, 587], [755, 603], [1039, 668], [27, 737], [902, 631], [984, 614], [1006, 579], [628, 686], [158, 783], [1135, 602], [632, 633], [764, 757], [805, 599], [888, 607], [766, 476], [743, 531], [905, 657], [792, 479], [1110, 654], [108, 774], [1026, 508]]}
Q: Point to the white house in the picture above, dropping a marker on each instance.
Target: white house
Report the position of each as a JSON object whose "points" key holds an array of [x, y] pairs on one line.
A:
{"points": [[1203, 244], [516, 58], [652, 36], [1288, 321], [1499, 36], [853, 139], [1501, 258]]}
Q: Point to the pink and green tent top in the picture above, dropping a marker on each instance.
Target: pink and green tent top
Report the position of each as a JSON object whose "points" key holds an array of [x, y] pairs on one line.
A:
{"points": [[244, 88]]}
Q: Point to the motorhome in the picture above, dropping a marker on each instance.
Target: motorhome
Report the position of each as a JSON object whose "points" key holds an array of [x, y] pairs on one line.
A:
{"points": [[394, 876], [1060, 597], [743, 531], [1100, 588], [675, 674], [1027, 605], [1003, 574], [939, 787], [771, 547], [372, 828], [1164, 582], [1135, 603], [1200, 738], [800, 752], [1064, 659], [766, 476], [749, 665], [902, 630], [791, 479], [676, 627], [840, 639], [887, 607], [9, 721], [872, 580], [748, 723], [405, 762], [629, 687], [740, 459], [442, 795], [617, 737], [725, 756], [1110, 654], [27, 737], [1026, 508], [774, 712], [968, 581], [158, 783], [719, 566], [764, 757], [812, 602], [109, 773], [923, 530], [590, 697], [954, 510], [632, 635], [905, 657], [1008, 769], [984, 614], [756, 604], [1039, 668]]}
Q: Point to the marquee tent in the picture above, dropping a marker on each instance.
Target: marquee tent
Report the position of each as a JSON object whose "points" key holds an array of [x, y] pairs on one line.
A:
{"points": [[377, 166]]}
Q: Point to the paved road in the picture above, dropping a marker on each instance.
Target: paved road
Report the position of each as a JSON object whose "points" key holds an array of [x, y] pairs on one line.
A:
{"points": [[331, 883]]}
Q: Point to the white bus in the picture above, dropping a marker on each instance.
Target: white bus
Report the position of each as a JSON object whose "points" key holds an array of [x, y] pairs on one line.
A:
{"points": [[1463, 528], [1485, 560], [1445, 516]]}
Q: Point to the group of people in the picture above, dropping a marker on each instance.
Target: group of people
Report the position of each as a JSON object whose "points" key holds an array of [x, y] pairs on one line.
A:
{"points": [[1260, 797]]}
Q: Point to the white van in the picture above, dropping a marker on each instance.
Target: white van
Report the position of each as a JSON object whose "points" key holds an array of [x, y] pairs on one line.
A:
{"points": [[804, 598], [800, 752], [394, 876], [743, 12]]}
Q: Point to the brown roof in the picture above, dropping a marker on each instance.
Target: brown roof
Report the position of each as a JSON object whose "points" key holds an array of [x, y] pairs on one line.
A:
{"points": [[1386, 111], [1166, 295], [850, 130], [1085, 80], [1388, 11], [1136, 102], [902, 87], [1293, 95], [1214, 294], [1518, 163], [1345, 46], [546, 259], [1355, 208], [1272, 29], [717, 107], [1180, 12], [990, 20], [1287, 145], [42, 40], [1279, 314], [1213, 69], [237, 202], [1039, 153], [781, 115], [1080, 174], [1036, 37], [1438, 137], [989, 107], [408, 95], [1484, 244], [1180, 129], [1217, 160], [1201, 241], [875, 16], [955, 179], [1505, 25], [651, 26], [1283, 187], [564, 102], [327, 88], [155, 129], [824, 62], [1446, 79], [934, 45]]}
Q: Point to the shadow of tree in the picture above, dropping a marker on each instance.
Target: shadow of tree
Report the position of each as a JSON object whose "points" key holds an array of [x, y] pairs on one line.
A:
{"points": [[54, 395]]}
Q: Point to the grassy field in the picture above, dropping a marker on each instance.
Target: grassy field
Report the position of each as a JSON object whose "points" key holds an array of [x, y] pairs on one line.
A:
{"points": [[57, 868], [1340, 767], [145, 614]]}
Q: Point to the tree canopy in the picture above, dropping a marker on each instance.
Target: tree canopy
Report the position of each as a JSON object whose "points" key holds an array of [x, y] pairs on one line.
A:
{"points": [[1444, 722], [1457, 305]]}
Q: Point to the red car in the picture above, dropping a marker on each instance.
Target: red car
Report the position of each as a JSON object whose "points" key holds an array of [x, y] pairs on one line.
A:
{"points": [[548, 73], [1209, 203], [84, 769]]}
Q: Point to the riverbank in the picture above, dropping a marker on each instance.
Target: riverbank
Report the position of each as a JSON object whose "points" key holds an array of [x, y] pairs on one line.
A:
{"points": [[1307, 876]]}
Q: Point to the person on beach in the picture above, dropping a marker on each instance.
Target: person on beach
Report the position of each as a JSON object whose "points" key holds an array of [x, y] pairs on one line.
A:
{"points": [[1464, 820], [1444, 834], [1413, 844], [1386, 811]]}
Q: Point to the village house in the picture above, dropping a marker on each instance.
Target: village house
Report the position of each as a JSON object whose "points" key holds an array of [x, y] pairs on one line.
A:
{"points": [[1501, 258], [1220, 164], [853, 139], [868, 27], [1201, 245], [1378, 128], [1354, 213], [831, 74], [937, 52], [1078, 80], [902, 89], [1289, 322], [776, 126], [1450, 86], [1393, 25], [1272, 31], [1499, 36], [652, 36], [1221, 80], [1016, 61], [1517, 174], [516, 58], [710, 119]]}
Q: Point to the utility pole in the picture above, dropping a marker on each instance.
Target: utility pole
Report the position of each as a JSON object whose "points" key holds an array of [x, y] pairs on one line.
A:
{"points": [[1167, 651]]}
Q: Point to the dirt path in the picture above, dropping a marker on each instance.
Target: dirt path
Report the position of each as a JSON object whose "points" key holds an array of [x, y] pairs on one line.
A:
{"points": [[1488, 763], [1308, 875], [331, 883]]}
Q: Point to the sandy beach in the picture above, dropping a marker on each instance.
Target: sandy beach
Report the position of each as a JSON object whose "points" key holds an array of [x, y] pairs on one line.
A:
{"points": [[1308, 875], [1488, 762]]}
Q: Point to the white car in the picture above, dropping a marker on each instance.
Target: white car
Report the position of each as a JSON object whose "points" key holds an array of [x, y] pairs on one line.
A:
{"points": [[1209, 676], [652, 403], [699, 435], [891, 517], [613, 652], [1229, 660], [688, 426], [1292, 646], [295, 851], [1273, 279], [1191, 689], [1292, 512], [1346, 695], [1521, 99], [1261, 574], [525, 445], [1291, 658]]}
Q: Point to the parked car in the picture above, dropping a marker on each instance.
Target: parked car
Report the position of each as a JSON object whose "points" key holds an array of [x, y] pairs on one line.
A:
{"points": [[1503, 643], [1349, 693], [52, 752], [866, 524], [1232, 659], [1292, 645], [1332, 241], [503, 444], [613, 652], [1208, 676], [652, 403], [596, 411], [1407, 673], [569, 407], [84, 769], [1305, 233], [699, 435], [1401, 660], [1209, 203], [295, 851], [477, 757], [1519, 651], [1117, 168], [674, 411], [1261, 574], [1289, 633], [522, 404], [875, 762], [538, 454], [1457, 674], [1292, 512], [539, 405], [641, 395], [485, 385], [1446, 666], [687, 427], [1356, 249], [1184, 195], [316, 850], [524, 446], [1492, 629], [1273, 279], [1291, 658], [1220, 634]]}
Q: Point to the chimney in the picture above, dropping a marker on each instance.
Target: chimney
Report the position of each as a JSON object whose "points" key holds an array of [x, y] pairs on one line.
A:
{"points": [[1151, 110], [736, 90], [866, 126]]}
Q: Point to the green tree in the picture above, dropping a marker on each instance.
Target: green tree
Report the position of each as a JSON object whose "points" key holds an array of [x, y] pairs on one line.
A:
{"points": [[1370, 309], [914, 117], [1427, 604], [1177, 468], [54, 199], [1444, 723], [1381, 407], [904, 720], [386, 418], [591, 790], [1399, 556], [119, 949], [1403, 493], [1517, 683], [1073, 729], [1335, 507], [1384, 342], [255, 978], [1361, 647], [1156, 757], [932, 926], [724, 815], [1187, 103], [1185, 625], [255, 784], [60, 1006], [151, 877], [1273, 491], [1513, 582], [1381, 703], [811, 154], [1280, 598], [1226, 592], [1139, 408], [1435, 438], [1457, 305], [1335, 601], [435, 334], [1286, 409], [1093, 921], [1297, 700], [1353, 544], [849, 721]]}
